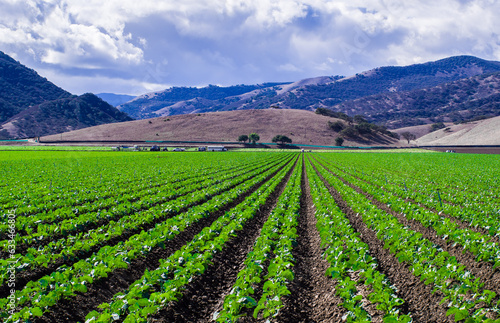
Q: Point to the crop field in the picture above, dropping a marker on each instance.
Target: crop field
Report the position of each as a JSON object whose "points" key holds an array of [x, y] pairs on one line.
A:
{"points": [[97, 236]]}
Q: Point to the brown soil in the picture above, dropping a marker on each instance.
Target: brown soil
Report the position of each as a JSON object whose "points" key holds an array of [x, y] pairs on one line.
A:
{"points": [[312, 296], [76, 308], [419, 299]]}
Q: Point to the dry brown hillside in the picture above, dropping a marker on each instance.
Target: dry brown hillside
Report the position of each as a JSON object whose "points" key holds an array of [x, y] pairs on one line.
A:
{"points": [[303, 127], [484, 132]]}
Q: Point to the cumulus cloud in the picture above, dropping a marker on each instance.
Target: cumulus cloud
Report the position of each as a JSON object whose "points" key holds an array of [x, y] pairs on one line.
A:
{"points": [[192, 42]]}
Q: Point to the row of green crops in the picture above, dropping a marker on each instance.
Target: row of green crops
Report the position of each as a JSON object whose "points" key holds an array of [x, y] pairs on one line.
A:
{"points": [[157, 288], [82, 216], [272, 251], [70, 247], [465, 296], [448, 229], [64, 220], [346, 254], [174, 217]]}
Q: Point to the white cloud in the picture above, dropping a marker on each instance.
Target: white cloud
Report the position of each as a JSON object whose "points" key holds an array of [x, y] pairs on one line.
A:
{"points": [[63, 39], [100, 83], [289, 67], [239, 41]]}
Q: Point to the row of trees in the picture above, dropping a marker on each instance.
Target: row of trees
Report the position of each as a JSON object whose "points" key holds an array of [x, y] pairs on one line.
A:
{"points": [[282, 139], [253, 138]]}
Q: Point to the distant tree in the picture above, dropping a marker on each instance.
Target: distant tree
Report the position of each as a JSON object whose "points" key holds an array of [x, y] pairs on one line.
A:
{"points": [[282, 139], [349, 132], [254, 137], [339, 141], [437, 126], [363, 127], [360, 119], [333, 114], [276, 138], [336, 126], [243, 138], [408, 136]]}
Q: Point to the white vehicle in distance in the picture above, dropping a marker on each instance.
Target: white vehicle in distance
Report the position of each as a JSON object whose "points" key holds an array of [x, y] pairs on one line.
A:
{"points": [[179, 149]]}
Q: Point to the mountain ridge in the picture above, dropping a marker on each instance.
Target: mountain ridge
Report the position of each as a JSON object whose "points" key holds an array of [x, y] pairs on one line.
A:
{"points": [[457, 101], [32, 106], [62, 115], [143, 106], [325, 91], [22, 87]]}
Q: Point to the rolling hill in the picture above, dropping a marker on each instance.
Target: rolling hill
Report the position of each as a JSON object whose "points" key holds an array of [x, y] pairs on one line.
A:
{"points": [[303, 127], [32, 106]]}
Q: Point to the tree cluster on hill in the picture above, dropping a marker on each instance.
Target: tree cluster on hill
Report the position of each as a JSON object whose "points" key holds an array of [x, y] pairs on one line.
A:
{"points": [[252, 138], [437, 126], [334, 114], [282, 139], [355, 126]]}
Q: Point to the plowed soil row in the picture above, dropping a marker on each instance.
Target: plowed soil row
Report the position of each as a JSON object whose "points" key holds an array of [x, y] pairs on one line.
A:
{"points": [[419, 299], [76, 308], [312, 298], [205, 294], [24, 277], [480, 269]]}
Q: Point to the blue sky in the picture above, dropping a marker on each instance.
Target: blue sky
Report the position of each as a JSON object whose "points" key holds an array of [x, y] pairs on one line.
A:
{"points": [[134, 47]]}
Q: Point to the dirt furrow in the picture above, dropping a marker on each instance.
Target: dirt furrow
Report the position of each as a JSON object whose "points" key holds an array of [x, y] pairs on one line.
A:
{"points": [[205, 294], [419, 299], [76, 308], [312, 298]]}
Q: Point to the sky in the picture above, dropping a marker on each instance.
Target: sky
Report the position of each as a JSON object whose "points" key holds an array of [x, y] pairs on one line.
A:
{"points": [[134, 47]]}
